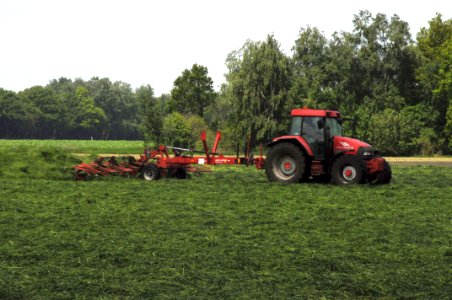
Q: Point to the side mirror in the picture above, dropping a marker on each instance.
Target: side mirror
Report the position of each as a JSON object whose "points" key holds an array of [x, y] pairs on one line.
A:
{"points": [[320, 123]]}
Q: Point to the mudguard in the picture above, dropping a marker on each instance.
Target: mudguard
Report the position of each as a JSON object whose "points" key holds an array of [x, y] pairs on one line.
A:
{"points": [[296, 139]]}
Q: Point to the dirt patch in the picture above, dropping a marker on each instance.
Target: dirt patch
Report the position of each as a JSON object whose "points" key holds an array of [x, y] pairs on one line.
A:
{"points": [[421, 161]]}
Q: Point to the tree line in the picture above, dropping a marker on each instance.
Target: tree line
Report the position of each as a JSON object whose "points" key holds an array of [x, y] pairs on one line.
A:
{"points": [[396, 93]]}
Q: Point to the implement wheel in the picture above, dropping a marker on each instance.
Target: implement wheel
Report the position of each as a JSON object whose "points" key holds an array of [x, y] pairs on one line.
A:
{"points": [[150, 172], [285, 163], [349, 169]]}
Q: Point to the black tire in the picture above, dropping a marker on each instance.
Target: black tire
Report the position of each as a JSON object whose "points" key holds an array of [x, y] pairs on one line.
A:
{"points": [[384, 177], [179, 173], [285, 163], [150, 172], [348, 169]]}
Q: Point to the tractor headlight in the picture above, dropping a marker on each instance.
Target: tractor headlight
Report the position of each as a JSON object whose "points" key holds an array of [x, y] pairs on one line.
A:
{"points": [[368, 153]]}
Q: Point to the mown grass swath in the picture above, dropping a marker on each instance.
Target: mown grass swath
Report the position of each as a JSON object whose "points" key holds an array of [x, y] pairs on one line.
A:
{"points": [[225, 234]]}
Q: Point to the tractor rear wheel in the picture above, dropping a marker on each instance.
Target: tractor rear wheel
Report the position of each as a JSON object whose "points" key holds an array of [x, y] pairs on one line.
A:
{"points": [[285, 163], [150, 172], [348, 169], [384, 177]]}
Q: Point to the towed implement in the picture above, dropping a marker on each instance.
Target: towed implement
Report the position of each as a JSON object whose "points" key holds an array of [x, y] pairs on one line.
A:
{"points": [[314, 149], [165, 161]]}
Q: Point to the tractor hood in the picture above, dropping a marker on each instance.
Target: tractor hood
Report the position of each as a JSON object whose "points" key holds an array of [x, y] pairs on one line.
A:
{"points": [[345, 144]]}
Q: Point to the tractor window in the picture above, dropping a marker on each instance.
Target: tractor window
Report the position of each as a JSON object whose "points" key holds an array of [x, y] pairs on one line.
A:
{"points": [[334, 126], [311, 130], [295, 129]]}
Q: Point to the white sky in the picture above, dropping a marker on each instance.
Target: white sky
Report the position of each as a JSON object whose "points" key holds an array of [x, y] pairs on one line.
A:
{"points": [[152, 42]]}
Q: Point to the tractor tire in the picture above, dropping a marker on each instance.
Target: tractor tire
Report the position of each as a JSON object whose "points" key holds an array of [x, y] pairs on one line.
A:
{"points": [[348, 169], [285, 163], [150, 172], [384, 177]]}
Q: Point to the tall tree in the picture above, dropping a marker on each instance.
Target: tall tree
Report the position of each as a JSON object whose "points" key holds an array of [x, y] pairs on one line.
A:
{"points": [[310, 60], [150, 113], [192, 91], [259, 78], [118, 101], [435, 73], [88, 115]]}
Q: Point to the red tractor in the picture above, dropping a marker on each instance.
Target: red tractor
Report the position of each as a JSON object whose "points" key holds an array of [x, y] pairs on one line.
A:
{"points": [[315, 148]]}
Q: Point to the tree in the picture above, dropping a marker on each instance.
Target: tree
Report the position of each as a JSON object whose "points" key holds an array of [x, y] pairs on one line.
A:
{"points": [[50, 111], [197, 124], [385, 61], [220, 111], [119, 103], [435, 73], [259, 81], [192, 91], [18, 116], [88, 115], [150, 113], [175, 131], [448, 127], [310, 60]]}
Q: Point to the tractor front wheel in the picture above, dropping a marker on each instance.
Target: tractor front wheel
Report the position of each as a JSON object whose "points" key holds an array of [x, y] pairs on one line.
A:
{"points": [[383, 177], [150, 172], [348, 169], [285, 163]]}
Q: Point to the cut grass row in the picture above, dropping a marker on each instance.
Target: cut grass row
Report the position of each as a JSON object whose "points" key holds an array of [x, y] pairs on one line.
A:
{"points": [[226, 234]]}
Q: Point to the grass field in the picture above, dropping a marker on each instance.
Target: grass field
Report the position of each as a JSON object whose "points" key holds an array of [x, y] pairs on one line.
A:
{"points": [[77, 146], [225, 234]]}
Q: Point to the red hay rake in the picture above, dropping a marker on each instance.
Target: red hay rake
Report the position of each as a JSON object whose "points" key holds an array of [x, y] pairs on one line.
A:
{"points": [[157, 163]]}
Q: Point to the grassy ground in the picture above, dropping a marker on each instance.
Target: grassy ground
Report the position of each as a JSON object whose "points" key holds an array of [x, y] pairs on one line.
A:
{"points": [[226, 234], [76, 146]]}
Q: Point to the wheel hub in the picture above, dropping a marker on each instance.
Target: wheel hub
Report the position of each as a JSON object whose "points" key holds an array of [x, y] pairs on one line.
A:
{"points": [[349, 173], [149, 175], [287, 166]]}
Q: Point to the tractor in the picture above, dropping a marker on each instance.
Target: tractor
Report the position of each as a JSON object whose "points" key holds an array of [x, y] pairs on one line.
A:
{"points": [[316, 150]]}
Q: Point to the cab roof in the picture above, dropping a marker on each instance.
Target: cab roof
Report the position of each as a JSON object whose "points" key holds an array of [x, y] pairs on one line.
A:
{"points": [[308, 112]]}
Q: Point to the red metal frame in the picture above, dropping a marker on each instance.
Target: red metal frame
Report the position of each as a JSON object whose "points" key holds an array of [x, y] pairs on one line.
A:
{"points": [[161, 157]]}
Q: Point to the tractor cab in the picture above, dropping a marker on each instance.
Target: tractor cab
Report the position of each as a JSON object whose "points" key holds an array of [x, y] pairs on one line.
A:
{"points": [[317, 128]]}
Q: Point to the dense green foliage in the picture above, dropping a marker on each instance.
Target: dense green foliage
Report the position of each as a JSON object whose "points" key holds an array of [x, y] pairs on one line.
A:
{"points": [[71, 109], [175, 130], [225, 234], [396, 91], [192, 92], [151, 114], [259, 78]]}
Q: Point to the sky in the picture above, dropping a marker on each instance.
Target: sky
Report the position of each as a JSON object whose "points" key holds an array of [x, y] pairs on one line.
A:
{"points": [[147, 42]]}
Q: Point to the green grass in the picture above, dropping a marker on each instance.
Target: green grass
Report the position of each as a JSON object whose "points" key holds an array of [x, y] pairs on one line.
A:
{"points": [[225, 234]]}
